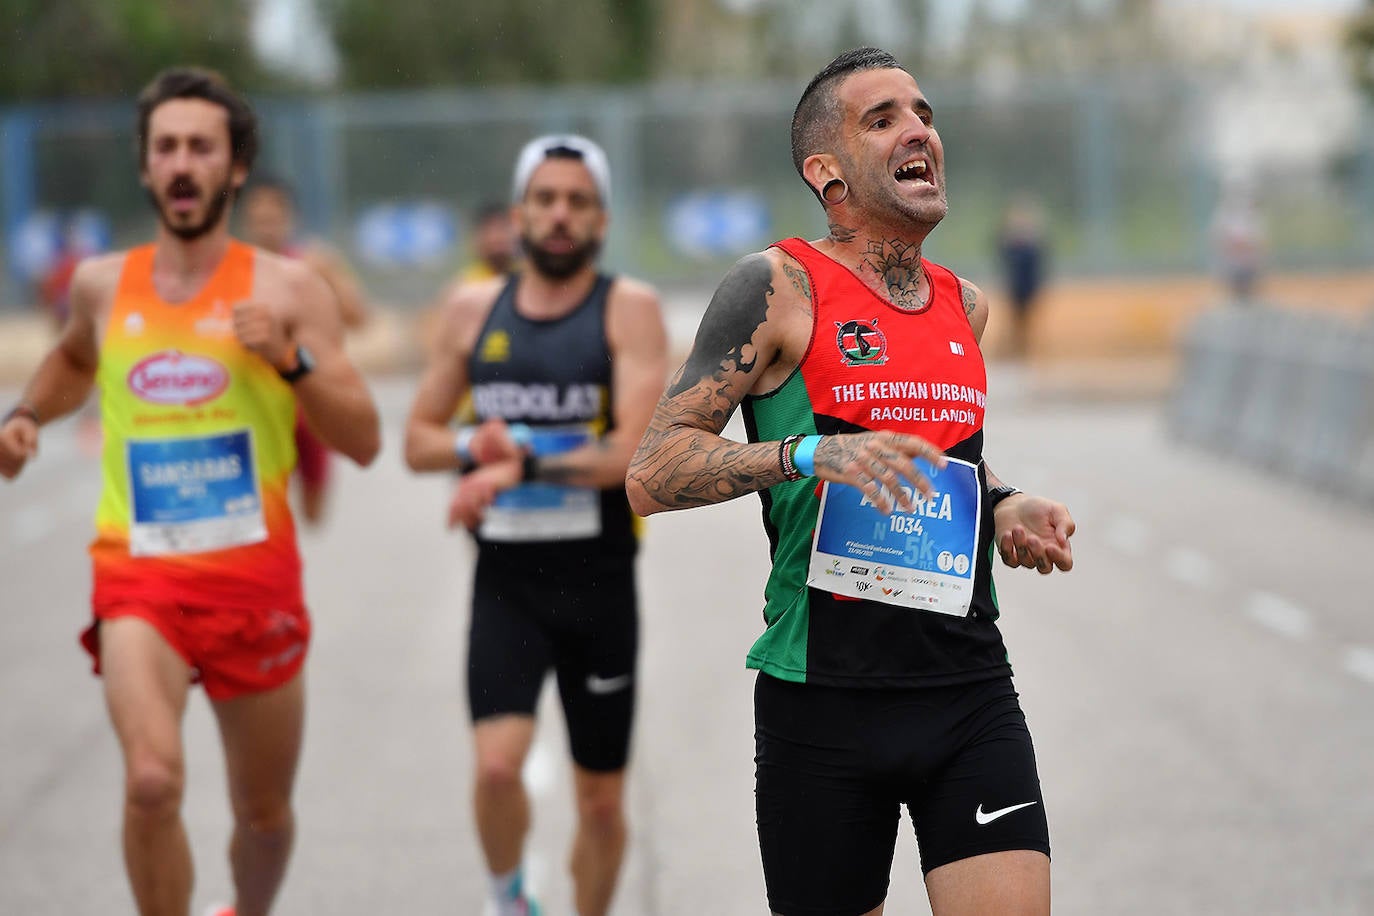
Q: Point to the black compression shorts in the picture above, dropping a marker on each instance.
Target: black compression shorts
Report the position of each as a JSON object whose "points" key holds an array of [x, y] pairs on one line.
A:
{"points": [[835, 765], [578, 618]]}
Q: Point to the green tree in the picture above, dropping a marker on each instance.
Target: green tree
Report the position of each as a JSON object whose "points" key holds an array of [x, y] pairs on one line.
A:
{"points": [[1062, 37], [782, 39], [1359, 41], [407, 43], [800, 36], [58, 48]]}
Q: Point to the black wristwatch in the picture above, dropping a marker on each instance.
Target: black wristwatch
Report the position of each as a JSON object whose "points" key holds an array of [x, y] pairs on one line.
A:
{"points": [[529, 468], [997, 494], [305, 364]]}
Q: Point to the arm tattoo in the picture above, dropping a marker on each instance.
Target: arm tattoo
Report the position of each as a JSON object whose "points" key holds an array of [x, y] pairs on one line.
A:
{"points": [[700, 470], [899, 266], [970, 296], [799, 280], [735, 313], [677, 465], [842, 233], [837, 452]]}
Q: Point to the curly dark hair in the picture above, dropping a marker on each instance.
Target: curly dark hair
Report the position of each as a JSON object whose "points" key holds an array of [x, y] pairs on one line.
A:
{"points": [[199, 83]]}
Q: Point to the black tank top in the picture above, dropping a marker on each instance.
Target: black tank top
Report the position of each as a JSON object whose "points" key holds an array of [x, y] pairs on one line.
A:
{"points": [[555, 377]]}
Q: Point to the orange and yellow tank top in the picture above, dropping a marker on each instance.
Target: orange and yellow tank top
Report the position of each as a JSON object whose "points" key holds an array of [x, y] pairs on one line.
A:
{"points": [[198, 450]]}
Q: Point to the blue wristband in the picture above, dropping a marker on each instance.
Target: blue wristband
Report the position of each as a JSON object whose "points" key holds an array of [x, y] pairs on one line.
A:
{"points": [[805, 456], [462, 444], [521, 433]]}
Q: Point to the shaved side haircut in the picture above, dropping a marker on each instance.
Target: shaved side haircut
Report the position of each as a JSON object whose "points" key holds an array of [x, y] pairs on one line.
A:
{"points": [[818, 111]]}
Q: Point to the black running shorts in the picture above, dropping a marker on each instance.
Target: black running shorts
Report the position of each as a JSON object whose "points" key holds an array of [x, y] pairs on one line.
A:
{"points": [[835, 765], [578, 618]]}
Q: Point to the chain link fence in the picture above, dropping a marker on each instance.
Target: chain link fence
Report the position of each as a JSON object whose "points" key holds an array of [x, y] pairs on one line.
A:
{"points": [[702, 174]]}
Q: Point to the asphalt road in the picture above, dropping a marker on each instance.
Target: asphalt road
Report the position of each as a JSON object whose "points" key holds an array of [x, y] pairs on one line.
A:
{"points": [[1200, 688]]}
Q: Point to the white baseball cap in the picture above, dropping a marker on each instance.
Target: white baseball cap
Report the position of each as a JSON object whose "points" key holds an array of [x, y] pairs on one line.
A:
{"points": [[570, 146]]}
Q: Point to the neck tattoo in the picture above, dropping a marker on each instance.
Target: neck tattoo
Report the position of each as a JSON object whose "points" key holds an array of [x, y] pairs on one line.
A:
{"points": [[842, 234], [898, 265]]}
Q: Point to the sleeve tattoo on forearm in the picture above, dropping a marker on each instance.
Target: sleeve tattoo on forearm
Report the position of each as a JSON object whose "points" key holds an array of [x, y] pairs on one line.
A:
{"points": [[678, 469]]}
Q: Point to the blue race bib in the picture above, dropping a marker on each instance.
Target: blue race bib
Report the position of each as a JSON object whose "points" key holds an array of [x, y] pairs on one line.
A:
{"points": [[923, 559]]}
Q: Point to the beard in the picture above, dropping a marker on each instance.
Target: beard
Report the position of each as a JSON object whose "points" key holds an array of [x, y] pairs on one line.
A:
{"points": [[884, 200], [562, 264], [926, 212], [879, 198], [214, 210]]}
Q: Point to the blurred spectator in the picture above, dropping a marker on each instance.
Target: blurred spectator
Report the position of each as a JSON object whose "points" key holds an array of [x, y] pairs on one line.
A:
{"points": [[269, 221], [494, 246], [1023, 252], [56, 276], [55, 282], [1238, 240]]}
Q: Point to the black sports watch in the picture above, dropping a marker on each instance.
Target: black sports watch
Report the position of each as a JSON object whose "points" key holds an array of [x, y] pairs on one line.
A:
{"points": [[305, 364], [997, 494]]}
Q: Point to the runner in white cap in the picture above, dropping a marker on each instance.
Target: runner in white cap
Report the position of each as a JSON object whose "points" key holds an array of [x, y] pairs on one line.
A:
{"points": [[564, 364]]}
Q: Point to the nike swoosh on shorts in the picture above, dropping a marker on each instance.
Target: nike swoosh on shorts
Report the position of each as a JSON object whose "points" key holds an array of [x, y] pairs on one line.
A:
{"points": [[987, 817], [605, 685]]}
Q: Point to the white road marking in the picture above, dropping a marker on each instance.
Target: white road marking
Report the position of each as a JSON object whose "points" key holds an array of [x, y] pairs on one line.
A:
{"points": [[1278, 614], [1188, 566], [1359, 662], [1128, 535]]}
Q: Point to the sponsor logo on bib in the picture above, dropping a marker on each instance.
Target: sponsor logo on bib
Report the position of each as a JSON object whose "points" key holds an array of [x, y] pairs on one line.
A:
{"points": [[173, 377]]}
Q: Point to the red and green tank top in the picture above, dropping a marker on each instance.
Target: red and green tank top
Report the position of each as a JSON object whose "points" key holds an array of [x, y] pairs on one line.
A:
{"points": [[872, 366], [198, 450]]}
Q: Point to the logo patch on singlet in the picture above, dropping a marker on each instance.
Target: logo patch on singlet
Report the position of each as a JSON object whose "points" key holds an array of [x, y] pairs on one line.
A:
{"points": [[495, 347], [861, 343], [173, 377], [218, 323]]}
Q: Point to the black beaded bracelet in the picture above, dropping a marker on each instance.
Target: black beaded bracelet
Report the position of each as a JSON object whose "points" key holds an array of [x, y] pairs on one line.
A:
{"points": [[787, 448]]}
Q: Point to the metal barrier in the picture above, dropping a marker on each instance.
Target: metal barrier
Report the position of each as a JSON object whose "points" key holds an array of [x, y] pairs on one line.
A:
{"points": [[1287, 391]]}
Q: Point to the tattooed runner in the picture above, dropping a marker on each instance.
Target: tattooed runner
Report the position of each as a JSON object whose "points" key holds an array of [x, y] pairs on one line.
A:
{"points": [[563, 364], [203, 349], [883, 678]]}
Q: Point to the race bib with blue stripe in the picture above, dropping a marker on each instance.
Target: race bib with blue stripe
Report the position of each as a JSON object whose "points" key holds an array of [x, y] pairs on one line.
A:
{"points": [[193, 495], [923, 559], [543, 511]]}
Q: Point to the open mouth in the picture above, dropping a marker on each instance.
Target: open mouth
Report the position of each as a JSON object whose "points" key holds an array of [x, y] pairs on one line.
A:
{"points": [[914, 171], [559, 244], [183, 195]]}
